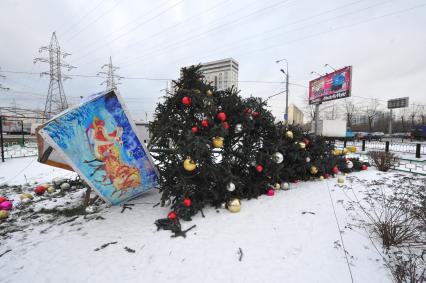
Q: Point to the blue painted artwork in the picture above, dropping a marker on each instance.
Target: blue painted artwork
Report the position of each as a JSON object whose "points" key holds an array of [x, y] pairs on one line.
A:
{"points": [[99, 140]]}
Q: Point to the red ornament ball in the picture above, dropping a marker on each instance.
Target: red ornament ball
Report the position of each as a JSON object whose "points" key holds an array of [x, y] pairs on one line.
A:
{"points": [[187, 202], [326, 175], [226, 125], [335, 170], [194, 130], [306, 141], [221, 116], [186, 101], [247, 110], [270, 192], [39, 190], [2, 199], [259, 168], [205, 123], [295, 181], [364, 167], [172, 215], [256, 114]]}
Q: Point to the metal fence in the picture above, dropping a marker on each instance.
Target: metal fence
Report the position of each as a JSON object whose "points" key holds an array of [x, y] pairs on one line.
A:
{"points": [[16, 149], [388, 146]]}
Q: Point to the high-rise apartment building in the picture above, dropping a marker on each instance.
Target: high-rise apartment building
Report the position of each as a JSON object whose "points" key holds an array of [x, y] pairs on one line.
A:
{"points": [[222, 74]]}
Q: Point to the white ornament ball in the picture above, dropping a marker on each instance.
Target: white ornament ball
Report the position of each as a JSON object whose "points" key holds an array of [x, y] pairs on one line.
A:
{"points": [[238, 128], [277, 186], [65, 186], [285, 185], [308, 160], [349, 164], [230, 187], [277, 157]]}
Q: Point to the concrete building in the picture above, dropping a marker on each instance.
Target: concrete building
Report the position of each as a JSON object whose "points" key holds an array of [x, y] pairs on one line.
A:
{"points": [[222, 74], [295, 115]]}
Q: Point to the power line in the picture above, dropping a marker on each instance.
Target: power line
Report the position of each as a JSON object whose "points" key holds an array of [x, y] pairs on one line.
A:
{"points": [[261, 34], [136, 27], [93, 22], [173, 26], [218, 27]]}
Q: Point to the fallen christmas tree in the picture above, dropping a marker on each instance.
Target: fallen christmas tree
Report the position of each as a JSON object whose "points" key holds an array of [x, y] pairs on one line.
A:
{"points": [[216, 148]]}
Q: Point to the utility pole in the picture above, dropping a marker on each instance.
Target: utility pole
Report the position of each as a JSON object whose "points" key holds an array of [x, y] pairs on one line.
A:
{"points": [[316, 108], [390, 121], [287, 78], [112, 79], [1, 86], [56, 101]]}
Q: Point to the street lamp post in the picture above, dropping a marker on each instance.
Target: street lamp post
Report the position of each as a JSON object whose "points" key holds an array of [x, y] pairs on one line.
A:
{"points": [[286, 87]]}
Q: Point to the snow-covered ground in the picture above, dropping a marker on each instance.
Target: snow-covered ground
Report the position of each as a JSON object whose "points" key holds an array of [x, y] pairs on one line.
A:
{"points": [[291, 237]]}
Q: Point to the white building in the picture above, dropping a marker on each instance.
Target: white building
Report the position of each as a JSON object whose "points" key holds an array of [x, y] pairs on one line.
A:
{"points": [[222, 74]]}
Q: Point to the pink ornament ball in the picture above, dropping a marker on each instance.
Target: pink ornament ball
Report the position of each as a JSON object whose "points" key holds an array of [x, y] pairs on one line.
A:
{"points": [[270, 192], [6, 205]]}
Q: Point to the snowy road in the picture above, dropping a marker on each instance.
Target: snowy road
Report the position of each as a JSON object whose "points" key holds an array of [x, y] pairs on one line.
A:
{"points": [[291, 237]]}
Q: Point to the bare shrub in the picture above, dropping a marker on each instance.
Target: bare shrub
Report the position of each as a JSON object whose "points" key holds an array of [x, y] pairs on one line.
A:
{"points": [[383, 160], [408, 267]]}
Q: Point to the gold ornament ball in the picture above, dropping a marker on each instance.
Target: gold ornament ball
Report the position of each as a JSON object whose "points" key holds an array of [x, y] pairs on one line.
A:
{"points": [[209, 92], [26, 196], [217, 142], [189, 165], [197, 91], [340, 180], [234, 205], [4, 214], [302, 145], [51, 189], [344, 151], [289, 134], [321, 178], [277, 186], [313, 170]]}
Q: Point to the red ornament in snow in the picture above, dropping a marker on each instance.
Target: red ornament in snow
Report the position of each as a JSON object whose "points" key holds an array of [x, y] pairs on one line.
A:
{"points": [[187, 202], [39, 190], [364, 167], [270, 192], [256, 114], [172, 215], [326, 175], [221, 116], [335, 170], [226, 125], [186, 101], [259, 168], [194, 130], [205, 123], [2, 199]]}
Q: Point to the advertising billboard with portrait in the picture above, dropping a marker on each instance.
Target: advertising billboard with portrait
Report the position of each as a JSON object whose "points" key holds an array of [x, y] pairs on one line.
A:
{"points": [[331, 86]]}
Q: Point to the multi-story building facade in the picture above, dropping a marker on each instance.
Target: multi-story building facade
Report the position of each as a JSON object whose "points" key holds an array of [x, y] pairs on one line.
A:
{"points": [[295, 115], [222, 74]]}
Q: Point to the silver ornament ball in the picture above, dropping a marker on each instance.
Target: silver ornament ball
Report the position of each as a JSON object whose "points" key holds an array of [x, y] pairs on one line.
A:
{"points": [[230, 187], [278, 157], [238, 128]]}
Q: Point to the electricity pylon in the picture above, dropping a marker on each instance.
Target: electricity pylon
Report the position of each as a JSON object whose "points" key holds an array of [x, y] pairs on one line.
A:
{"points": [[56, 101], [112, 79]]}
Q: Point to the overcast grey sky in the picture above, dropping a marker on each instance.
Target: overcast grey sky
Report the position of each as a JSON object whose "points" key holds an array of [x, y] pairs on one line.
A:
{"points": [[384, 41]]}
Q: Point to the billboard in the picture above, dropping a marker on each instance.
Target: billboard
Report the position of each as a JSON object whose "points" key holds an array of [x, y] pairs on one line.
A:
{"points": [[99, 141], [398, 103], [331, 86]]}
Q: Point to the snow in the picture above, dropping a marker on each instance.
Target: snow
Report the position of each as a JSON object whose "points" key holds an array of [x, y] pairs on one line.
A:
{"points": [[280, 238]]}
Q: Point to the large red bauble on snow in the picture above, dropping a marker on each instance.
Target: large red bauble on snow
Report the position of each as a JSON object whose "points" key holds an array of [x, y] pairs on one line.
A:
{"points": [[335, 170], [194, 130], [39, 190], [205, 123], [259, 168], [2, 199], [326, 175], [364, 167], [221, 116], [186, 100], [172, 215], [187, 202]]}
